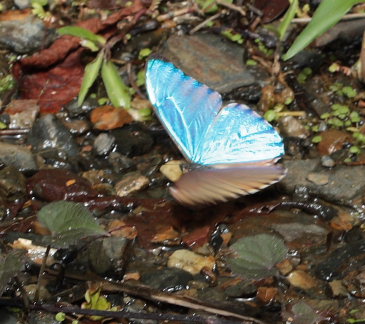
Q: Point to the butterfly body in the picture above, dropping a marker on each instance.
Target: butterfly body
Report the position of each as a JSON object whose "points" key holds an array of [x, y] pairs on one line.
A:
{"points": [[237, 146]]}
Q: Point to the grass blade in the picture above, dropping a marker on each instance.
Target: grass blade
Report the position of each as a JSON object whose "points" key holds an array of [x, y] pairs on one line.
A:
{"points": [[328, 14]]}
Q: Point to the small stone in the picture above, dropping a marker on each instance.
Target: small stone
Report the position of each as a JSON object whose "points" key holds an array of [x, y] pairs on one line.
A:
{"points": [[327, 161], [284, 267], [24, 34], [190, 261], [22, 113], [291, 127], [103, 143], [172, 170], [338, 289], [119, 162], [49, 133], [75, 110], [77, 126], [267, 294], [301, 279], [318, 178], [18, 156], [22, 4], [131, 182]]}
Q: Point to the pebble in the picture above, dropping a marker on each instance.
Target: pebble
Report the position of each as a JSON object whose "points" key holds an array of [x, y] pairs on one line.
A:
{"points": [[22, 113], [17, 156], [131, 182], [327, 161], [291, 127], [190, 261], [301, 279], [172, 170], [49, 133], [24, 36], [103, 143], [319, 179]]}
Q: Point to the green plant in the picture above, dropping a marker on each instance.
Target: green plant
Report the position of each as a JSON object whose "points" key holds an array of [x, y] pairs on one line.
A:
{"points": [[118, 93], [328, 13]]}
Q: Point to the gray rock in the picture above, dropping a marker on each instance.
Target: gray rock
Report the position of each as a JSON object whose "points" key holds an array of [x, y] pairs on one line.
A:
{"points": [[130, 183], [24, 36], [210, 59], [17, 156], [49, 133], [345, 183], [103, 143], [106, 255]]}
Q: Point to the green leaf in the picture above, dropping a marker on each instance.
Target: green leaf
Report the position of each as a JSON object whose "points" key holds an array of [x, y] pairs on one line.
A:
{"points": [[10, 265], [68, 222], [317, 139], [283, 27], [256, 256], [141, 78], [144, 52], [60, 317], [82, 33], [328, 13], [118, 92], [90, 75]]}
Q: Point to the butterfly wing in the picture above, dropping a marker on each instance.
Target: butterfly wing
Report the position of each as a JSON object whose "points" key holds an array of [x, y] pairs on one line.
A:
{"points": [[239, 135], [205, 186], [185, 106]]}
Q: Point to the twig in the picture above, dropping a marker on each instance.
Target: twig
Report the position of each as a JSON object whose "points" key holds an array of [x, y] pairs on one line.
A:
{"points": [[345, 17], [184, 301], [174, 14], [10, 132], [121, 314], [231, 6], [40, 274], [204, 23], [258, 12]]}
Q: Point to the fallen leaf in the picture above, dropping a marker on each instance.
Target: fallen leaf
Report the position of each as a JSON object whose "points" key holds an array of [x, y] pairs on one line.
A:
{"points": [[54, 87], [166, 234], [332, 141], [271, 9], [109, 117]]}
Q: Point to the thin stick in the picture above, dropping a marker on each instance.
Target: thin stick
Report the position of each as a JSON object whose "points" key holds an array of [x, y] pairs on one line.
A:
{"points": [[231, 6], [345, 17], [204, 23], [40, 274]]}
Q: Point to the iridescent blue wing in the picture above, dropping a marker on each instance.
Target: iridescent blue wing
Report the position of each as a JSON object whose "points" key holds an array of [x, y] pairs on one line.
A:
{"points": [[239, 135], [185, 106], [210, 185]]}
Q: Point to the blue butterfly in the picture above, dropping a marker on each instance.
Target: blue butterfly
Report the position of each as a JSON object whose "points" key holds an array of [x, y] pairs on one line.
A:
{"points": [[236, 146]]}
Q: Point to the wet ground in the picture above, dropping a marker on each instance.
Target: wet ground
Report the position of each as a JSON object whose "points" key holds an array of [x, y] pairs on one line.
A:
{"points": [[292, 253]]}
